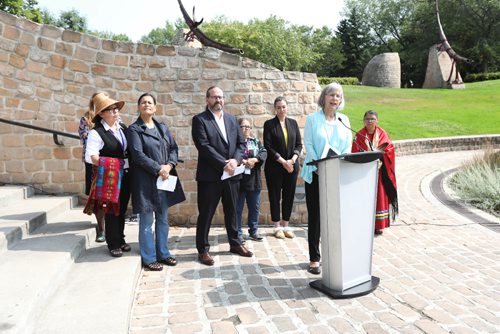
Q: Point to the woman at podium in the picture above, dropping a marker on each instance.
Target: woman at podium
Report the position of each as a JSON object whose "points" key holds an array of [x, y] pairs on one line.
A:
{"points": [[372, 137], [327, 132]]}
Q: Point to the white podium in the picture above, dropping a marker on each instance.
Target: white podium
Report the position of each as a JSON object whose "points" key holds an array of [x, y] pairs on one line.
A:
{"points": [[348, 195]]}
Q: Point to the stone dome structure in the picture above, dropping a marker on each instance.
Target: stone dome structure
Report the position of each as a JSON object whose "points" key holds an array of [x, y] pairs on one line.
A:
{"points": [[383, 70]]}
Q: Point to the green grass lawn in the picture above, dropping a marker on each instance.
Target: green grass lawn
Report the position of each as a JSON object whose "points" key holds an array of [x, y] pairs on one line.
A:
{"points": [[427, 113]]}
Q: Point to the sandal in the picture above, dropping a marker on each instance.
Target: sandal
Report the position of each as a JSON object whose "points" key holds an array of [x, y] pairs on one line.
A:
{"points": [[126, 247], [153, 266], [169, 261], [116, 252]]}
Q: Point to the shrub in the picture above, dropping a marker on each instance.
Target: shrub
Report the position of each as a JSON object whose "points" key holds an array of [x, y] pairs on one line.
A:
{"points": [[473, 77], [323, 81], [478, 182]]}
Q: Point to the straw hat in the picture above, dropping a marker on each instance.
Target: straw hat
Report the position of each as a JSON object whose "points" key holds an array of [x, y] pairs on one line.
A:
{"points": [[101, 102]]}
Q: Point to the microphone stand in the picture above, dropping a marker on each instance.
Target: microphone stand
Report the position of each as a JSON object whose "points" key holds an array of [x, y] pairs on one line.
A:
{"points": [[357, 133]]}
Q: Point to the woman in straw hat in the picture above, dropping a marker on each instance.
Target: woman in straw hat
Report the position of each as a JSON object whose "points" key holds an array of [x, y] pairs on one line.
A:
{"points": [[107, 152], [83, 131]]}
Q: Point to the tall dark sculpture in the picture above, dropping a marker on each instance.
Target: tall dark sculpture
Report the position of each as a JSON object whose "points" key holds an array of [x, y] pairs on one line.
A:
{"points": [[194, 31], [445, 46]]}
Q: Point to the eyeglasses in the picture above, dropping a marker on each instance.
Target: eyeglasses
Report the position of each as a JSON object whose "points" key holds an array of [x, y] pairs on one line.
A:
{"points": [[112, 110], [217, 97], [370, 119], [245, 126]]}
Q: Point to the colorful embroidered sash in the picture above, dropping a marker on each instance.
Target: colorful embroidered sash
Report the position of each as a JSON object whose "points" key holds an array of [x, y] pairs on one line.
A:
{"points": [[106, 183]]}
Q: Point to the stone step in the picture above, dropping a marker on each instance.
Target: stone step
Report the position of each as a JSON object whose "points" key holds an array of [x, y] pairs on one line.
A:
{"points": [[22, 216], [97, 293], [55, 277], [12, 194]]}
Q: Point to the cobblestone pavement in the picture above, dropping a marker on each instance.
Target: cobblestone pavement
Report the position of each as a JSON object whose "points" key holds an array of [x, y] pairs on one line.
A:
{"points": [[439, 273]]}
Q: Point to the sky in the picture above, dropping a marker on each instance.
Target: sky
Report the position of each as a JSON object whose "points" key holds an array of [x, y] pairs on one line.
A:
{"points": [[137, 18]]}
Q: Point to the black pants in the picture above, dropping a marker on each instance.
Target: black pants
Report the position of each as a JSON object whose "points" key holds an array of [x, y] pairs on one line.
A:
{"points": [[115, 225], [313, 218], [209, 195], [281, 188]]}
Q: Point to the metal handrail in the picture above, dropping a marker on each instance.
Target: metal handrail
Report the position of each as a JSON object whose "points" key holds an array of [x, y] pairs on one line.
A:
{"points": [[55, 133]]}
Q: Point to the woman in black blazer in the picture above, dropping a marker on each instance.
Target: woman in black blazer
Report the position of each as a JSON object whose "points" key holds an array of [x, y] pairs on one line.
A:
{"points": [[283, 143]]}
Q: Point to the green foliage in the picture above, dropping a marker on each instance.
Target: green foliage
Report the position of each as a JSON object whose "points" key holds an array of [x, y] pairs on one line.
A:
{"points": [[27, 9], [355, 44], [410, 27], [478, 182], [72, 20], [428, 113], [323, 81], [272, 41], [163, 36], [473, 77], [111, 36]]}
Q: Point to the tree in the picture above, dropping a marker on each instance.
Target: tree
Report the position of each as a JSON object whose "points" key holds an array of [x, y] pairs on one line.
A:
{"points": [[163, 36], [323, 42], [72, 20], [355, 44], [272, 41], [410, 28], [111, 36], [27, 9]]}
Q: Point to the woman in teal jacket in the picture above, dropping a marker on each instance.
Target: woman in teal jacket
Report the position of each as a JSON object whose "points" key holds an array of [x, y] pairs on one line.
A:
{"points": [[325, 130]]}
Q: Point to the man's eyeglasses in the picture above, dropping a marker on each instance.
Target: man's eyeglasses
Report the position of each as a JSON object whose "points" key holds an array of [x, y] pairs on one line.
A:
{"points": [[112, 110], [217, 97], [370, 119], [245, 126]]}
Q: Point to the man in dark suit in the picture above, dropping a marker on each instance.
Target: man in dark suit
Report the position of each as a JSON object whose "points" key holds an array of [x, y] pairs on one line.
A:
{"points": [[221, 146]]}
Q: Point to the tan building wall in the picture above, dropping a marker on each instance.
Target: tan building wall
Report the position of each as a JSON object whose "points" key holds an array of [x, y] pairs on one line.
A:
{"points": [[48, 75]]}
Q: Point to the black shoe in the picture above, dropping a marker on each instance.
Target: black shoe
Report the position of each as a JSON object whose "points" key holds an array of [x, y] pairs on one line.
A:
{"points": [[314, 270], [255, 237]]}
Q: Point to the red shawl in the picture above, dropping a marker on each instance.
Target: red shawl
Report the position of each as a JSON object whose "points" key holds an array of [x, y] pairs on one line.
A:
{"points": [[105, 190], [382, 142]]}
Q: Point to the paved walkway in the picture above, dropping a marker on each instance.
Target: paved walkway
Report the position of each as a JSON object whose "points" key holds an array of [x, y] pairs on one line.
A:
{"points": [[439, 273]]}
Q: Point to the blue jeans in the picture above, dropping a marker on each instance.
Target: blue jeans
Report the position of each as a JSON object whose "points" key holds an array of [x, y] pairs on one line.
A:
{"points": [[154, 247], [253, 204]]}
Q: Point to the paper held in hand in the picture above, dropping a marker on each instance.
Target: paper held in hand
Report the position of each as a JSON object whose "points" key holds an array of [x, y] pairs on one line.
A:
{"points": [[240, 169], [168, 184]]}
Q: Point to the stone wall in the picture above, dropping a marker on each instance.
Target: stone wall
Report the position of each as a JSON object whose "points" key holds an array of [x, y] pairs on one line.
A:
{"points": [[444, 144], [48, 75]]}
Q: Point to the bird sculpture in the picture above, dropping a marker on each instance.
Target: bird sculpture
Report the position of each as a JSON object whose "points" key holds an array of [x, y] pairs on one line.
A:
{"points": [[445, 46], [195, 31]]}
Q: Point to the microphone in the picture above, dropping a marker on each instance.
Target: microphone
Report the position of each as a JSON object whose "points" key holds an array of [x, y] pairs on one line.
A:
{"points": [[356, 133]]}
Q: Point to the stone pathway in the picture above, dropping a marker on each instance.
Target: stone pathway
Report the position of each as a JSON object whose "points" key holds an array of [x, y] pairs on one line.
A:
{"points": [[439, 273]]}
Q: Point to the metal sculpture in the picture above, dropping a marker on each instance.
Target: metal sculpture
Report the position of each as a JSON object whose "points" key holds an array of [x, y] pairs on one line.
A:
{"points": [[445, 46], [194, 31]]}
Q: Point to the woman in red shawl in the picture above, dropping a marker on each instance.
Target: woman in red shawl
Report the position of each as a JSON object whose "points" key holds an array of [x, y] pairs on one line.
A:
{"points": [[370, 138]]}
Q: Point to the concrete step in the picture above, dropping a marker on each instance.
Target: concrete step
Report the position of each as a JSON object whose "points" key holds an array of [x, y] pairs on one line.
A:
{"points": [[54, 274], [97, 294], [23, 216], [12, 194]]}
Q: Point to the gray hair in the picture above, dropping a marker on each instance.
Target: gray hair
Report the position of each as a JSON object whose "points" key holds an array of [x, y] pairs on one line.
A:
{"points": [[332, 87]]}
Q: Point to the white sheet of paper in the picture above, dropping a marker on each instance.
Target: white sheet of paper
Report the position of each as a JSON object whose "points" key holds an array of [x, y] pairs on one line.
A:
{"points": [[326, 150], [168, 184], [240, 169]]}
